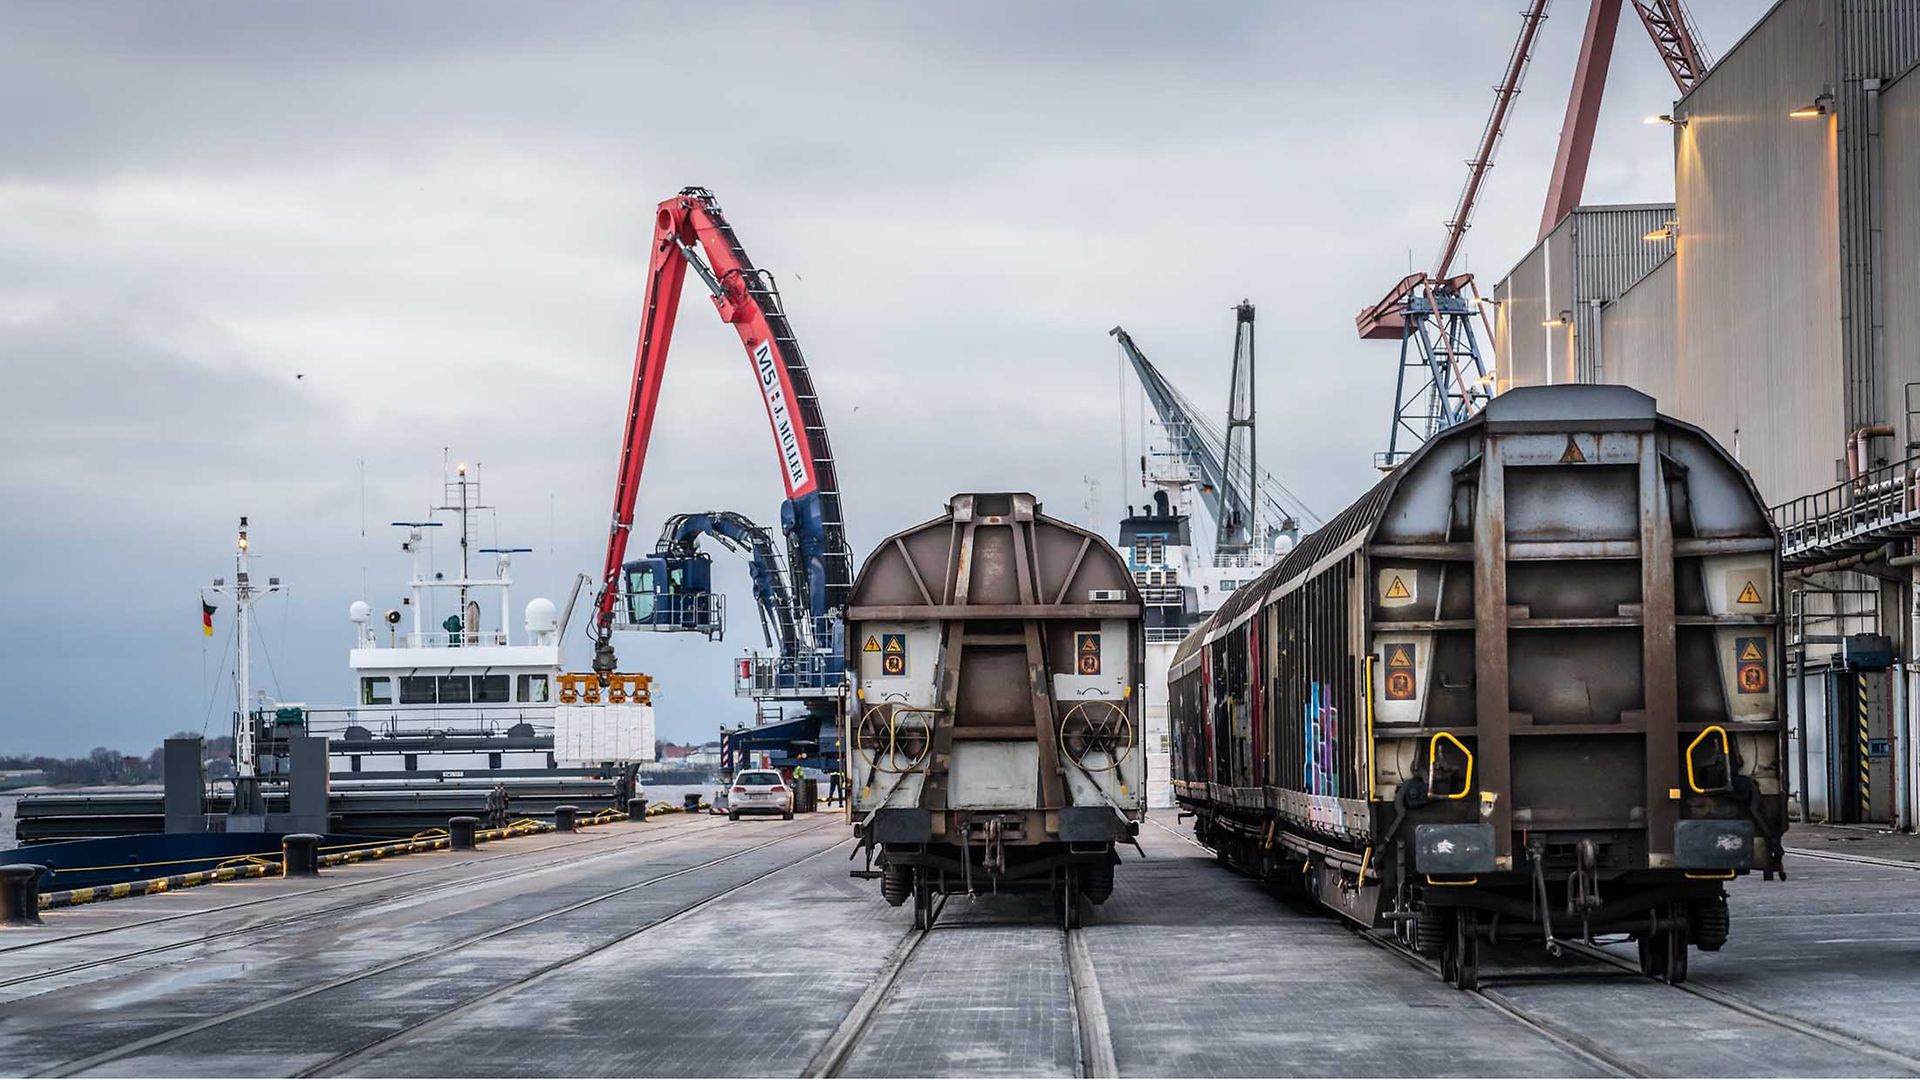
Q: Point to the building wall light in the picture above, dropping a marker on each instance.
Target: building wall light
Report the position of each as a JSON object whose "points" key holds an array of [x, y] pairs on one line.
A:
{"points": [[1666, 118], [1821, 106], [1664, 232]]}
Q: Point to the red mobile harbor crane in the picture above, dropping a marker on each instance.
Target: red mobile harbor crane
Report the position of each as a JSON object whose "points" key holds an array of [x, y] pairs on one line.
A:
{"points": [[691, 232]]}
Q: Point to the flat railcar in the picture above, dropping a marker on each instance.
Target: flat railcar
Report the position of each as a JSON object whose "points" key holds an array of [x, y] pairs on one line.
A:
{"points": [[996, 656], [1526, 687]]}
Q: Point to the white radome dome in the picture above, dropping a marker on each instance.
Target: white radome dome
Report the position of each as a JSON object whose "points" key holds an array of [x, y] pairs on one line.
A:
{"points": [[359, 613], [541, 616], [1283, 544]]}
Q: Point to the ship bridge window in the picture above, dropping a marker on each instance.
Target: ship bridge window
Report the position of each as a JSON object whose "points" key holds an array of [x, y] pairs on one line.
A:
{"points": [[490, 689], [416, 689], [533, 688], [456, 689], [376, 690]]}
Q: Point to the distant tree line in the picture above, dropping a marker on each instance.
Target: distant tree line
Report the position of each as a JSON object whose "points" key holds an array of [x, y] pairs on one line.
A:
{"points": [[103, 767]]}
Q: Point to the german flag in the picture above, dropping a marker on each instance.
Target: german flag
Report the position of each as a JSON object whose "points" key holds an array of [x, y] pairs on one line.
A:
{"points": [[206, 618]]}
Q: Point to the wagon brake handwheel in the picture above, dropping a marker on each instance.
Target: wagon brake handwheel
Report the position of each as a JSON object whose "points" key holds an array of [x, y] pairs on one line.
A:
{"points": [[1093, 727]]}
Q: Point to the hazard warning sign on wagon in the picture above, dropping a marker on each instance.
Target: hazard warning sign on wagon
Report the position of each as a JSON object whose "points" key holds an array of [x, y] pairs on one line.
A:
{"points": [[872, 645], [1398, 587], [1400, 681], [1086, 652], [1748, 595], [893, 654], [1750, 665]]}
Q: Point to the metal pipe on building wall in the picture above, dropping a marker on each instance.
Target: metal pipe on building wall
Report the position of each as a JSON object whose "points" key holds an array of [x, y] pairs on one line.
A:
{"points": [[1800, 635], [1857, 460]]}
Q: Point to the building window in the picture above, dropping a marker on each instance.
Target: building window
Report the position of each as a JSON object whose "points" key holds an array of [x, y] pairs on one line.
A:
{"points": [[490, 689], [376, 690], [416, 689], [1139, 551], [533, 688], [1157, 550], [456, 690]]}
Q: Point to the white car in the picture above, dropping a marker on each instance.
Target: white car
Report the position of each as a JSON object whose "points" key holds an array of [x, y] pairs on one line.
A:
{"points": [[758, 791]]}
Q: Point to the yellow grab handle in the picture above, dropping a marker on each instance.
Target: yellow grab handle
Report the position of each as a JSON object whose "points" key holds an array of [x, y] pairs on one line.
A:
{"points": [[1726, 750], [1433, 745]]}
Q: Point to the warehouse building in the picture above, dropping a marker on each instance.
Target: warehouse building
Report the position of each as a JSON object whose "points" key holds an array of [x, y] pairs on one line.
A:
{"points": [[1776, 303]]}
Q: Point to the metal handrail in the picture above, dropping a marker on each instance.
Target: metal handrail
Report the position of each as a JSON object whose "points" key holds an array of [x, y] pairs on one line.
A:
{"points": [[1877, 500]]}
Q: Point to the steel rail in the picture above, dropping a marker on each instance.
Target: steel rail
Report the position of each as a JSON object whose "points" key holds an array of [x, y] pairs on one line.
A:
{"points": [[78, 1065], [257, 901], [1092, 1032], [331, 1065], [1554, 1032], [1565, 1038], [1846, 857], [833, 1054], [1843, 1040]]}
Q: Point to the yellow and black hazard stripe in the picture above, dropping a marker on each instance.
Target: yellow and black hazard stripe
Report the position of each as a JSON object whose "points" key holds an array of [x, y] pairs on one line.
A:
{"points": [[1866, 783]]}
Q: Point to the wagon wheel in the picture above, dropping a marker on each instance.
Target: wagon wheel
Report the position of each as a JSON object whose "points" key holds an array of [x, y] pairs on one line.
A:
{"points": [[1091, 728]]}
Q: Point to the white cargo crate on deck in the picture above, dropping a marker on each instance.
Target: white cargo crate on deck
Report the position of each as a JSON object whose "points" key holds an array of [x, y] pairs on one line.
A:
{"points": [[590, 734]]}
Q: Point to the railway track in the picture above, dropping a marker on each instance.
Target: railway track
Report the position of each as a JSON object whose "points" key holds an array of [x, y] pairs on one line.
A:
{"points": [[1847, 857], [1842, 1040], [357, 906], [1867, 1054], [122, 928], [329, 1065], [1612, 1061], [1093, 1037]]}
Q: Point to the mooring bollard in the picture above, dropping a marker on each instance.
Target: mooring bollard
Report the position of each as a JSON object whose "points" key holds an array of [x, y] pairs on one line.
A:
{"points": [[693, 801], [636, 809], [300, 855], [460, 833], [20, 894], [563, 817]]}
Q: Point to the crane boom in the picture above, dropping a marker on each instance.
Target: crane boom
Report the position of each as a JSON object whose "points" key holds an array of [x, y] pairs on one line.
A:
{"points": [[1482, 161], [690, 231], [680, 539], [1269, 500], [1671, 28]]}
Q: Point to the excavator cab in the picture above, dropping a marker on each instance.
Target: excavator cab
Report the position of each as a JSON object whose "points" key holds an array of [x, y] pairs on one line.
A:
{"points": [[672, 594]]}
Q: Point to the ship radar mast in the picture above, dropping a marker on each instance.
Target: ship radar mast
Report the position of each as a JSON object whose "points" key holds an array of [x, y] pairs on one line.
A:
{"points": [[244, 593]]}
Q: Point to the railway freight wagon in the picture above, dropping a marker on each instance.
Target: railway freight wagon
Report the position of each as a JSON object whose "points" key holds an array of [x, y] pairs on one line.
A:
{"points": [[1527, 687], [996, 659]]}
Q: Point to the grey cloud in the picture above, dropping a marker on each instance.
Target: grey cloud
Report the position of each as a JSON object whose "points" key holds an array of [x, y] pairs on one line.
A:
{"points": [[440, 213]]}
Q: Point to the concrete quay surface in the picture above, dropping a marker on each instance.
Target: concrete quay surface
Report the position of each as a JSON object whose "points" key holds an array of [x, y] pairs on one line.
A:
{"points": [[695, 946]]}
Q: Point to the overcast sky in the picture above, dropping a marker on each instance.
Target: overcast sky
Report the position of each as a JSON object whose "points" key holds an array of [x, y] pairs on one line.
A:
{"points": [[439, 215]]}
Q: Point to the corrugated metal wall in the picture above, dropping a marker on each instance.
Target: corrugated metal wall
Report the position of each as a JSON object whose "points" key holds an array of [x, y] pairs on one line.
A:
{"points": [[1525, 299], [1610, 252], [1873, 39], [1590, 258], [1639, 336], [1900, 249], [1757, 266]]}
